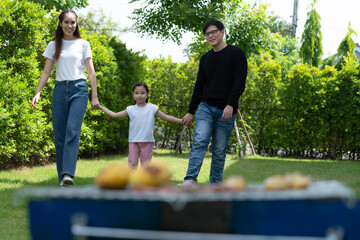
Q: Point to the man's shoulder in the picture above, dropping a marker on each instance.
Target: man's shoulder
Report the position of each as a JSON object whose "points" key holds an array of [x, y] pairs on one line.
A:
{"points": [[235, 52], [207, 54], [234, 48]]}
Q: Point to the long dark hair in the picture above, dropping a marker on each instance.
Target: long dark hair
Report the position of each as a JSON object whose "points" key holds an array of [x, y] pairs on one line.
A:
{"points": [[59, 34], [139, 84]]}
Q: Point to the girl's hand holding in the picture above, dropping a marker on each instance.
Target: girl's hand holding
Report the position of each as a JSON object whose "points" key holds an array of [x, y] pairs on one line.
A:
{"points": [[188, 119]]}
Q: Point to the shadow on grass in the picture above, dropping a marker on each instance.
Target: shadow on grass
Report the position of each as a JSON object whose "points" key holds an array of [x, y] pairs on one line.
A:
{"points": [[156, 153], [257, 169], [106, 157], [171, 154], [9, 193], [14, 213]]}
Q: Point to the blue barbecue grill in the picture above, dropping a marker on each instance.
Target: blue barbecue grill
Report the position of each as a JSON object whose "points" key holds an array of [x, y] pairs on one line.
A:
{"points": [[325, 210]]}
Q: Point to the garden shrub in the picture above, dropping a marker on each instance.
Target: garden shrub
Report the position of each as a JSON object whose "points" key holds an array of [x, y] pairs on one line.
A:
{"points": [[298, 111], [171, 87], [344, 115], [311, 113], [22, 130], [26, 135], [300, 100], [260, 101]]}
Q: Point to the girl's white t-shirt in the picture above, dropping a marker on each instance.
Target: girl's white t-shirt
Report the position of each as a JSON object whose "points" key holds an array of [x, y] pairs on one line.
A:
{"points": [[71, 63], [142, 120]]}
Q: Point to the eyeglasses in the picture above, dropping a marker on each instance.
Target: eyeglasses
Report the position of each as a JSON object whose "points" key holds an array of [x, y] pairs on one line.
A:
{"points": [[207, 34]]}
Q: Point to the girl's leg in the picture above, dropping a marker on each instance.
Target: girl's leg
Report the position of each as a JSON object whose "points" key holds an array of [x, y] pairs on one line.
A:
{"points": [[146, 151], [133, 155]]}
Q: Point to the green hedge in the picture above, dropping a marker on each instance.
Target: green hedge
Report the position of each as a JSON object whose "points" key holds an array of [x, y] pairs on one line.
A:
{"points": [[299, 111], [171, 86], [26, 136], [310, 113], [22, 130]]}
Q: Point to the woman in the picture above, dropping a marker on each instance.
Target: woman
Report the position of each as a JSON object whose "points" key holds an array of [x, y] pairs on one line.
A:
{"points": [[70, 54]]}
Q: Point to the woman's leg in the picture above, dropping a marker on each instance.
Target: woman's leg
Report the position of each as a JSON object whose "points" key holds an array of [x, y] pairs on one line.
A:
{"points": [[77, 94], [59, 119]]}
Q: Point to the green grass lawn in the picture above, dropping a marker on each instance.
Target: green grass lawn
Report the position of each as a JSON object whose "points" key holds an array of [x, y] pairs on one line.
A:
{"points": [[13, 219]]}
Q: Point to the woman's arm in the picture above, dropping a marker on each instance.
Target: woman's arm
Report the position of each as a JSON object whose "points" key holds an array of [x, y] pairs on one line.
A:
{"points": [[43, 80], [92, 78], [168, 118], [113, 114]]}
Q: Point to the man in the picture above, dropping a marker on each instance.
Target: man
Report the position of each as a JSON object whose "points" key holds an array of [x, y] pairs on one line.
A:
{"points": [[219, 84]]}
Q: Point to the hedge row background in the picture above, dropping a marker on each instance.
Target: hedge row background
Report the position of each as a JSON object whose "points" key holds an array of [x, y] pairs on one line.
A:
{"points": [[290, 109]]}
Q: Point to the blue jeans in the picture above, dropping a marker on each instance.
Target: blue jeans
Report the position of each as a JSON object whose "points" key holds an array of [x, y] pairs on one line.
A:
{"points": [[208, 124], [69, 102]]}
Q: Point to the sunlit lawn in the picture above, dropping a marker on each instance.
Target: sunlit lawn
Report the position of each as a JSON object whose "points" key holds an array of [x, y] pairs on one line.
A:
{"points": [[13, 218]]}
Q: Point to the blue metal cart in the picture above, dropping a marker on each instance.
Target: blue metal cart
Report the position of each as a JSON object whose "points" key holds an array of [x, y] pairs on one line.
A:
{"points": [[325, 210]]}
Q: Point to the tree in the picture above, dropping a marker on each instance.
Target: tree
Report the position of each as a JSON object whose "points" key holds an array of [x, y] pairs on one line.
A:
{"points": [[26, 136], [329, 61], [247, 26], [171, 85], [197, 47], [61, 4], [169, 19], [346, 47], [286, 52], [278, 25], [98, 22], [311, 47], [260, 100]]}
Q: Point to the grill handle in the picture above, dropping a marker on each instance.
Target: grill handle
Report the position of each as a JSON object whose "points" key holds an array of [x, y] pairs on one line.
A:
{"points": [[81, 231]]}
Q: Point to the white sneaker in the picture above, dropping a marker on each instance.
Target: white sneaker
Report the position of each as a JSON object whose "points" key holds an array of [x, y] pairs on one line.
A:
{"points": [[187, 182], [67, 181]]}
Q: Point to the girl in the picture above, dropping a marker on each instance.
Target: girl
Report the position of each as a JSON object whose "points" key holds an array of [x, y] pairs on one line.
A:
{"points": [[70, 54], [142, 114]]}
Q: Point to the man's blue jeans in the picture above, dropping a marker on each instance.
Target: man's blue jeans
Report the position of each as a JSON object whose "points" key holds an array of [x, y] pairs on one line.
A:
{"points": [[69, 102], [208, 124]]}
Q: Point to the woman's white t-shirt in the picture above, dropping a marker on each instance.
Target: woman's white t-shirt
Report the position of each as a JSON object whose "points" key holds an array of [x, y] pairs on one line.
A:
{"points": [[142, 120], [71, 63]]}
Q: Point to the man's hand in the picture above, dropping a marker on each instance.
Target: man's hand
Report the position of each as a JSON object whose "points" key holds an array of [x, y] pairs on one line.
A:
{"points": [[95, 104], [188, 119], [227, 113]]}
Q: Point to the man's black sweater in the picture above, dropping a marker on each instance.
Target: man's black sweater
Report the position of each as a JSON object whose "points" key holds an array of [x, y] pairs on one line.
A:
{"points": [[221, 78]]}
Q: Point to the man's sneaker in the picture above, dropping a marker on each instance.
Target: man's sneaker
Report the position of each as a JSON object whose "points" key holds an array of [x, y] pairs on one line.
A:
{"points": [[67, 181], [188, 182]]}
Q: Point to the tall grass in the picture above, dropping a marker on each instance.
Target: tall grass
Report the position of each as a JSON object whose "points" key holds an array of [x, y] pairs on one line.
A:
{"points": [[14, 219]]}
